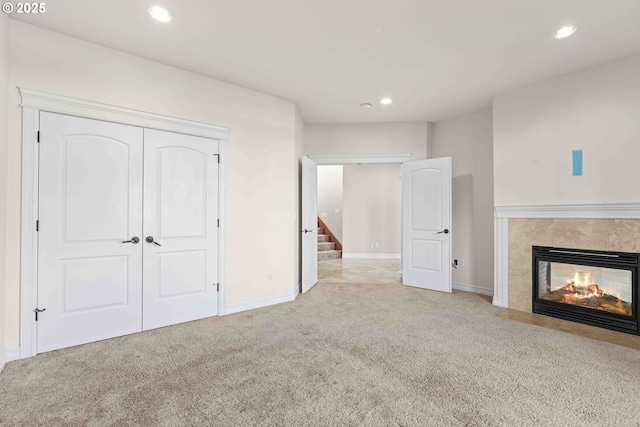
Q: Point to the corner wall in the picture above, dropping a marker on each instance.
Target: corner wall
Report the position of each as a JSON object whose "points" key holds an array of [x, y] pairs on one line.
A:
{"points": [[469, 141], [261, 205]]}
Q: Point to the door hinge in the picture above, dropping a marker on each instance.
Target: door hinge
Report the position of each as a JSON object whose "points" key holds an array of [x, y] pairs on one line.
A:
{"points": [[38, 136], [218, 156], [217, 287], [37, 310], [37, 225], [218, 222]]}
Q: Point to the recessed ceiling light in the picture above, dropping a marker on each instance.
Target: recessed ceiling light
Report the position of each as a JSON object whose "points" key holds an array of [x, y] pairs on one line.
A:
{"points": [[365, 105], [161, 14], [386, 101], [565, 32]]}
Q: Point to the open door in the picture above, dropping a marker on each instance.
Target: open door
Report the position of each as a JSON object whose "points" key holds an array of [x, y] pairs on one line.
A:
{"points": [[309, 223], [426, 224]]}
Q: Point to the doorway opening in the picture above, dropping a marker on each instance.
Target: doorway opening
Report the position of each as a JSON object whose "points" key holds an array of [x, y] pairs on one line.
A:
{"points": [[360, 204]]}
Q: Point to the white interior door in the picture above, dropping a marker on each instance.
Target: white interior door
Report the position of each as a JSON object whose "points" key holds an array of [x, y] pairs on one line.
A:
{"points": [[180, 228], [309, 223], [89, 280], [426, 224]]}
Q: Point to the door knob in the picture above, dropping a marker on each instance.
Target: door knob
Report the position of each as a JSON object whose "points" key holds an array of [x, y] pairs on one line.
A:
{"points": [[149, 239], [445, 231], [133, 240], [307, 231]]}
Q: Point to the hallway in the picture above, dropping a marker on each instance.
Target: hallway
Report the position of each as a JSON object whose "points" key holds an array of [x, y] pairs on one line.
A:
{"points": [[361, 271]]}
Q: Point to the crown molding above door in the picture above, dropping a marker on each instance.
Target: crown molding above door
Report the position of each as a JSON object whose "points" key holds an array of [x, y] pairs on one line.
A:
{"points": [[54, 103]]}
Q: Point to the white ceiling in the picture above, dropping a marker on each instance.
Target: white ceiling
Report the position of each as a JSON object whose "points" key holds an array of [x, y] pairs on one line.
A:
{"points": [[436, 58]]}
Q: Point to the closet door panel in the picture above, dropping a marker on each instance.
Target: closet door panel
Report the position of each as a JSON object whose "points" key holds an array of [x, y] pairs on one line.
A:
{"points": [[90, 200], [180, 228]]}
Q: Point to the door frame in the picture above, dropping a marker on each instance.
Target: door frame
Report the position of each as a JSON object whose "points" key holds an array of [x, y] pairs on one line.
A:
{"points": [[357, 159], [351, 159], [33, 102]]}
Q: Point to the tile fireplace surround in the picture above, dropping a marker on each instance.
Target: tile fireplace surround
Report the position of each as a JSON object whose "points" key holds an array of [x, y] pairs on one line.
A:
{"points": [[599, 227]]}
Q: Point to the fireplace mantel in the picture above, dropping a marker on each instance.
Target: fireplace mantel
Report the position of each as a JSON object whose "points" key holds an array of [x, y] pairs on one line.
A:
{"points": [[608, 211]]}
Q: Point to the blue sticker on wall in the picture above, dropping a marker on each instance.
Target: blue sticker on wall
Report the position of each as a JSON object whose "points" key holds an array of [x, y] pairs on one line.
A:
{"points": [[577, 162]]}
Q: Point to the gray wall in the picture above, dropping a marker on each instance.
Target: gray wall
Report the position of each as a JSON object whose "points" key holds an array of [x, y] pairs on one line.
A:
{"points": [[469, 141]]}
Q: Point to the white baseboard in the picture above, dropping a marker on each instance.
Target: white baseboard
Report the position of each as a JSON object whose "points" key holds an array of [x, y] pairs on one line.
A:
{"points": [[259, 303], [472, 288], [8, 355], [370, 256]]}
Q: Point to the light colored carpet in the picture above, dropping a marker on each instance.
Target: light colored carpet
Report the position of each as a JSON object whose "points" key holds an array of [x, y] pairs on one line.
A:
{"points": [[341, 355]]}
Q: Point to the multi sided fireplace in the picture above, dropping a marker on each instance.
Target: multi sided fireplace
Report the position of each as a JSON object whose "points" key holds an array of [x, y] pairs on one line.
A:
{"points": [[597, 288]]}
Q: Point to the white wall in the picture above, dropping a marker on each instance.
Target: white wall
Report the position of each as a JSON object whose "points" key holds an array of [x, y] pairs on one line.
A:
{"points": [[262, 172], [4, 81], [468, 141], [330, 198], [367, 138], [596, 110], [372, 209]]}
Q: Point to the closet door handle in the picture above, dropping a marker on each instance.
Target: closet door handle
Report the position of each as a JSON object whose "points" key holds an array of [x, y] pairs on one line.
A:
{"points": [[133, 240], [149, 239]]}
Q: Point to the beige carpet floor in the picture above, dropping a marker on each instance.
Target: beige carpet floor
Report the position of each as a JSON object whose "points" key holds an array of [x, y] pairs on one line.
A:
{"points": [[341, 355]]}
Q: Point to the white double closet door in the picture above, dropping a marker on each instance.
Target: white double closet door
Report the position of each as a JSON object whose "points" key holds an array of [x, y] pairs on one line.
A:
{"points": [[128, 235]]}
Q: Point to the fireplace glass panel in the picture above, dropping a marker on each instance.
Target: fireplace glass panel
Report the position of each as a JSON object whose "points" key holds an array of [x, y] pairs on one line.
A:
{"points": [[598, 288]]}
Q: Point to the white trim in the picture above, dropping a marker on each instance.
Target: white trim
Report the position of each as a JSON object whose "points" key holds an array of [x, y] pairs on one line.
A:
{"points": [[44, 101], [35, 101], [8, 355], [370, 256], [349, 159], [503, 213], [29, 238], [472, 288], [222, 234], [501, 266], [13, 354], [259, 303], [611, 211]]}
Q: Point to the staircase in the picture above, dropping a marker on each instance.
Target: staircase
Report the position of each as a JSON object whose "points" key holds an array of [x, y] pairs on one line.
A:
{"points": [[326, 248]]}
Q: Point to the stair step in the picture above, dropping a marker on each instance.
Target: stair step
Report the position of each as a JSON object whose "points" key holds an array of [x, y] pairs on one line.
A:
{"points": [[320, 230], [332, 254], [325, 246], [323, 238]]}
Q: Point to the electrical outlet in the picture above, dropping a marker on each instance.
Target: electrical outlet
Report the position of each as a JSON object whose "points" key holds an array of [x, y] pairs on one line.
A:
{"points": [[455, 263], [337, 210], [377, 245], [371, 245], [270, 276]]}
